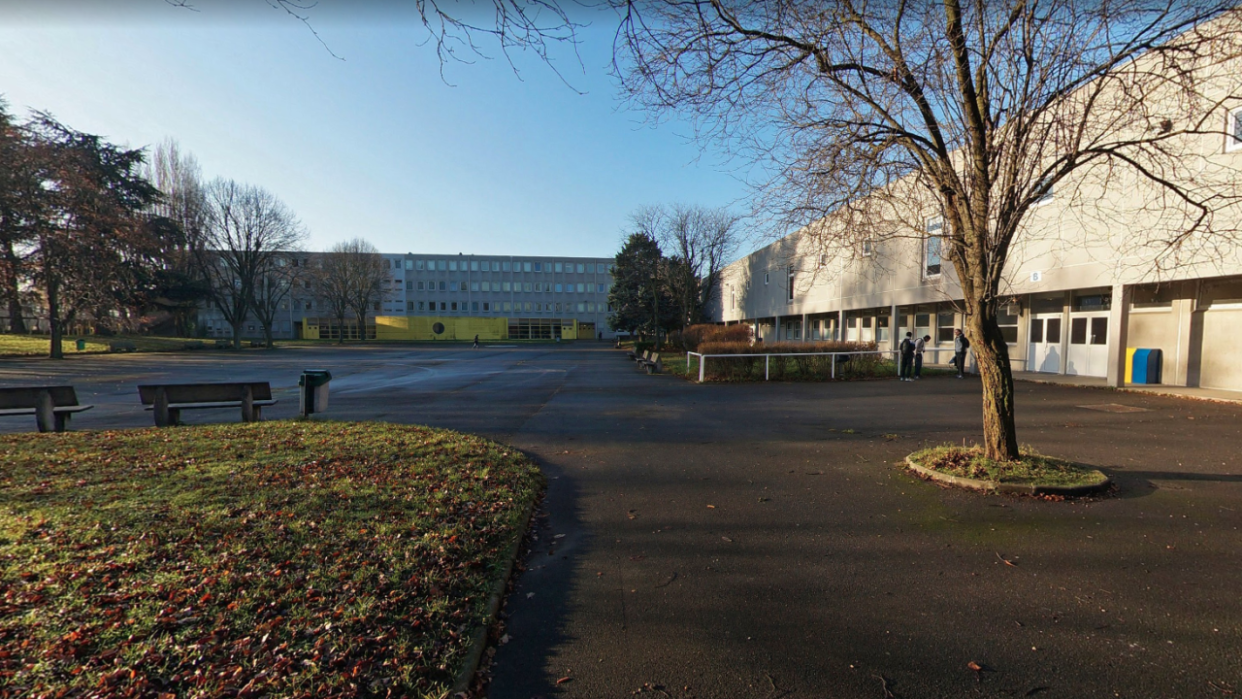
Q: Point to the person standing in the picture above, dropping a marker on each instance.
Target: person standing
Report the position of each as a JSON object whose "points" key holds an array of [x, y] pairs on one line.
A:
{"points": [[907, 358], [476, 342], [920, 345], [960, 345]]}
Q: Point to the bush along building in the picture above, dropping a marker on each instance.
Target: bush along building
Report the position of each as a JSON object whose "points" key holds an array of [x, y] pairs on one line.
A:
{"points": [[446, 297]]}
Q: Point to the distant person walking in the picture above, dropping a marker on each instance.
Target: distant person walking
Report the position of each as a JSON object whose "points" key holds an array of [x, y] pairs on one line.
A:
{"points": [[907, 358], [960, 345], [476, 342], [920, 345]]}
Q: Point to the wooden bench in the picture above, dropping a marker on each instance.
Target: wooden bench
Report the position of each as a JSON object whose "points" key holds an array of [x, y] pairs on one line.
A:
{"points": [[52, 406], [651, 362], [122, 346], [168, 400]]}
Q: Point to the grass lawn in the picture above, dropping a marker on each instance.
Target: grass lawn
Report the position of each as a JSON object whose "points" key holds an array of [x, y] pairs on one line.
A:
{"points": [[1032, 469], [38, 345], [284, 559]]}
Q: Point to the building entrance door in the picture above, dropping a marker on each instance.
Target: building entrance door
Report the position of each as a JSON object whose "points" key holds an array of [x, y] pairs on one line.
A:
{"points": [[1045, 349], [1087, 354]]}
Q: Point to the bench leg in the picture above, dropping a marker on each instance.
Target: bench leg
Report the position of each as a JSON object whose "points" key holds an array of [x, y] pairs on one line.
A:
{"points": [[62, 421], [258, 413], [247, 404], [163, 415], [45, 416]]}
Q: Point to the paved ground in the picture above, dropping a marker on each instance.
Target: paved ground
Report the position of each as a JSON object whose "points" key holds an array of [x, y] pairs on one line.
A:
{"points": [[758, 540]]}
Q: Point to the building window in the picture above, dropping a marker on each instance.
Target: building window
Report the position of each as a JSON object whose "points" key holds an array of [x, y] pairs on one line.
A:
{"points": [[526, 287], [1007, 319], [539, 286], [1233, 141], [508, 306], [505, 266], [486, 306], [442, 265], [453, 305], [528, 306], [409, 305], [538, 266], [474, 286], [409, 264], [946, 323], [931, 249], [766, 278], [474, 305], [789, 293], [599, 288], [868, 247], [422, 305], [526, 268], [558, 267]]}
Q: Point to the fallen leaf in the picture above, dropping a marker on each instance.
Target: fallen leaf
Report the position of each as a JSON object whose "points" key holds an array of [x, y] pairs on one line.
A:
{"points": [[974, 666], [711, 507], [727, 539], [562, 680], [1006, 561]]}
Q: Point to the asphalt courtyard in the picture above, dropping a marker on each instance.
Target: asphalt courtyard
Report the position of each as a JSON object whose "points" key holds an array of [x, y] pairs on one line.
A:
{"points": [[761, 541]]}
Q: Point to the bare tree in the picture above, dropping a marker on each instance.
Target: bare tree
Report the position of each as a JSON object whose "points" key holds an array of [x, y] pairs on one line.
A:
{"points": [[352, 279], [178, 177], [246, 229], [274, 292], [876, 116], [698, 240]]}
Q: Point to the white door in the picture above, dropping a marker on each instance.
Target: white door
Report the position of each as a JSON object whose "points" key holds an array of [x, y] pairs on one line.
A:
{"points": [[1219, 367], [1045, 351], [1087, 354]]}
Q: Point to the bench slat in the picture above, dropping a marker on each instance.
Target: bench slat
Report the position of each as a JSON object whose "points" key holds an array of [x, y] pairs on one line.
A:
{"points": [[217, 404]]}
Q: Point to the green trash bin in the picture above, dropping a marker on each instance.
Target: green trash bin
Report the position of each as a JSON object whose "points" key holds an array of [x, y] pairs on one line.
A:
{"points": [[80, 344], [313, 397]]}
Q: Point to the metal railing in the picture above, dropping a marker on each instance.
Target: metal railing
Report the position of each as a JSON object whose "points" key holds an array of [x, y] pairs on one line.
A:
{"points": [[767, 361]]}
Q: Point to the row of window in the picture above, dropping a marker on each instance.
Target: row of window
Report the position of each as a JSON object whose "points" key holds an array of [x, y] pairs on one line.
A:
{"points": [[536, 287], [504, 307], [500, 266]]}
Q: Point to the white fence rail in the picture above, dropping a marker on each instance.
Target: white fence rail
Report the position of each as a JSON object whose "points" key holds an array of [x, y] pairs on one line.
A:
{"points": [[767, 358]]}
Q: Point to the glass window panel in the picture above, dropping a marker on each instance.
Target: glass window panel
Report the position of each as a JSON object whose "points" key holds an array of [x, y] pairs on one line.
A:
{"points": [[526, 268], [1099, 331], [507, 286], [474, 286], [1037, 330], [452, 265], [474, 265], [559, 288], [1010, 333], [1078, 331], [559, 267], [442, 286], [1052, 331], [420, 265], [505, 266], [538, 266], [581, 268]]}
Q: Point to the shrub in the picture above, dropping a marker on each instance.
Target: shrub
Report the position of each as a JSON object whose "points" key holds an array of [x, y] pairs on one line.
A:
{"points": [[693, 337], [811, 367]]}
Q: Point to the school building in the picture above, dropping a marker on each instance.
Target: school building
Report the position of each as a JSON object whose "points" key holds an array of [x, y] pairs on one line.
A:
{"points": [[456, 297], [1088, 285]]}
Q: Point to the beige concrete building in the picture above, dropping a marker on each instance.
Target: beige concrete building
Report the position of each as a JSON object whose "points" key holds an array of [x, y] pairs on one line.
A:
{"points": [[1091, 275]]}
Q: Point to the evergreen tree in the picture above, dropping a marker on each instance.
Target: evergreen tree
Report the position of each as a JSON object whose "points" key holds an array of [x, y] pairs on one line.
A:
{"points": [[640, 298]]}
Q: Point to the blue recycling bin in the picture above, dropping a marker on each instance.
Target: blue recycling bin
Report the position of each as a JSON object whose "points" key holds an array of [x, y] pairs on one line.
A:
{"points": [[1145, 368]]}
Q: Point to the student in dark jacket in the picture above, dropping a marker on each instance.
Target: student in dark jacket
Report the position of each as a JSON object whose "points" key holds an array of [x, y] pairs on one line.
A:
{"points": [[960, 345], [907, 357]]}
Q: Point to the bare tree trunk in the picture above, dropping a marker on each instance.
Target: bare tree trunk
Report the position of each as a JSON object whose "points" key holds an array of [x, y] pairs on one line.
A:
{"points": [[12, 292], [267, 336], [53, 319], [237, 329], [1000, 434]]}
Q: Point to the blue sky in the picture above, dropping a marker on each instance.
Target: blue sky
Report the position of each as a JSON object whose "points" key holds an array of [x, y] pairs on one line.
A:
{"points": [[378, 145]]}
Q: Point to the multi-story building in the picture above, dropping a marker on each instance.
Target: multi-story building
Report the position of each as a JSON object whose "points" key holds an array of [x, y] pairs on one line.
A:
{"points": [[1083, 284], [457, 297]]}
